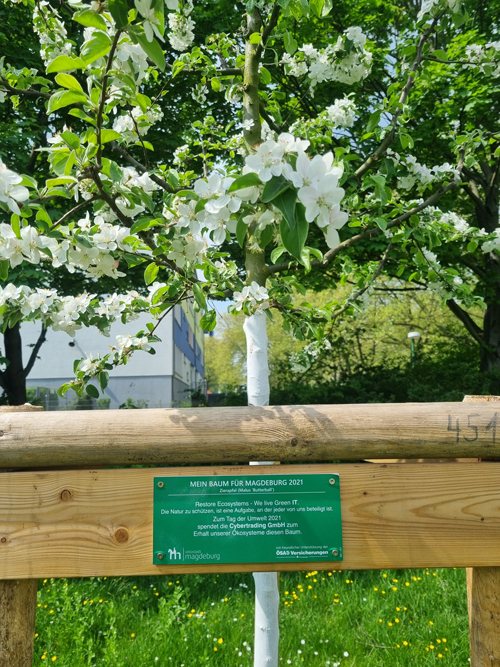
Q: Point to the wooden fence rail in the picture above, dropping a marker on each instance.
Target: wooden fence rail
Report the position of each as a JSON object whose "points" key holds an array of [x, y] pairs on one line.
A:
{"points": [[238, 435], [85, 523]]}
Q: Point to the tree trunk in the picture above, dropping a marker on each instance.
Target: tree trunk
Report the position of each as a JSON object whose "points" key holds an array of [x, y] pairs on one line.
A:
{"points": [[487, 217], [14, 378]]}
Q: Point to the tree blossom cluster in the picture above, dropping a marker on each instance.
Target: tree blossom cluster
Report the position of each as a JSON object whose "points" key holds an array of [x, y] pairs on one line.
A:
{"points": [[253, 298], [301, 362], [181, 34], [419, 174], [51, 32], [346, 61], [88, 246], [136, 124], [486, 57], [70, 313], [433, 6]]}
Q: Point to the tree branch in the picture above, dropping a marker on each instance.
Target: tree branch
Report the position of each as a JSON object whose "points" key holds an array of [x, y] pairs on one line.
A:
{"points": [[474, 196], [34, 352], [100, 111], [389, 138], [68, 214], [29, 92], [273, 20], [269, 120], [464, 317], [139, 166], [371, 233]]}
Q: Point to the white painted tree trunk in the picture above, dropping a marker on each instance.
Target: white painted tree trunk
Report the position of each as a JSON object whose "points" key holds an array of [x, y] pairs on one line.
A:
{"points": [[266, 583]]}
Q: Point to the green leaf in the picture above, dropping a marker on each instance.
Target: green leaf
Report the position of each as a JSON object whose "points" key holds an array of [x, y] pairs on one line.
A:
{"points": [[246, 181], [63, 98], [97, 47], [14, 223], [4, 269], [92, 391], [327, 7], [265, 76], [119, 11], [90, 19], [276, 253], [266, 236], [295, 239], [382, 223], [405, 140], [150, 273], [285, 202], [241, 231], [255, 38], [291, 44], [65, 64], [274, 188], [62, 180], [439, 53], [141, 224], [115, 172], [316, 7], [215, 83], [103, 380], [199, 296], [471, 246], [209, 320], [109, 135], [374, 121], [305, 259], [61, 391], [68, 81], [152, 49]]}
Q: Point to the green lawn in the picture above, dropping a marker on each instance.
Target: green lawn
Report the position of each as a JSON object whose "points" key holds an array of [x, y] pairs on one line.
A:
{"points": [[403, 617]]}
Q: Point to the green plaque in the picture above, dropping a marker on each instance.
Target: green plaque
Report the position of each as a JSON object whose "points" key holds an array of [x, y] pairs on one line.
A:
{"points": [[247, 519]]}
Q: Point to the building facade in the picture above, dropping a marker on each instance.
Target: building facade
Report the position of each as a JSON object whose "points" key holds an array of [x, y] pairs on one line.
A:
{"points": [[165, 379]]}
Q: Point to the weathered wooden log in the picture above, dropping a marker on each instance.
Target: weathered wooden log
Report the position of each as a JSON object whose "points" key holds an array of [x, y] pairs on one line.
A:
{"points": [[241, 434]]}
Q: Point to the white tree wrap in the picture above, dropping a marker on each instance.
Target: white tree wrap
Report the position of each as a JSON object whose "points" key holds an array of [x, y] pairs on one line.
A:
{"points": [[255, 328], [267, 632], [266, 643]]}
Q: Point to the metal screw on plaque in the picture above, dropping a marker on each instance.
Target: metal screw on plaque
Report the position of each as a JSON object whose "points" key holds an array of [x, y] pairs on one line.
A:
{"points": [[161, 485], [332, 481], [334, 552], [159, 555]]}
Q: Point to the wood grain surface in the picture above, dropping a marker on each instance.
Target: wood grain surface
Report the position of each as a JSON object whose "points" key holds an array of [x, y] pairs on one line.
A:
{"points": [[483, 588], [17, 603], [242, 434], [99, 522]]}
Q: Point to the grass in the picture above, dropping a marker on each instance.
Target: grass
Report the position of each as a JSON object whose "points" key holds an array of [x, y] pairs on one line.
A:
{"points": [[371, 618]]}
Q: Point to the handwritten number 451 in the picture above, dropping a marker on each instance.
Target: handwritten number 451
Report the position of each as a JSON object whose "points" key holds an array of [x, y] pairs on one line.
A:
{"points": [[473, 434]]}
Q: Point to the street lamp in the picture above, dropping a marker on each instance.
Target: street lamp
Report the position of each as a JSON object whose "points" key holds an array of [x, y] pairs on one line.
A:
{"points": [[414, 337]]}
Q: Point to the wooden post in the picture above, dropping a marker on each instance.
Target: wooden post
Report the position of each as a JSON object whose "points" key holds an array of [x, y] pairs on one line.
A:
{"points": [[483, 601], [17, 606]]}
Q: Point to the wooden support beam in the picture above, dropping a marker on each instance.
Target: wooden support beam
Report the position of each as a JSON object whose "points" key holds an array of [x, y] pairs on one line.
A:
{"points": [[99, 522], [238, 435], [483, 598], [17, 603]]}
